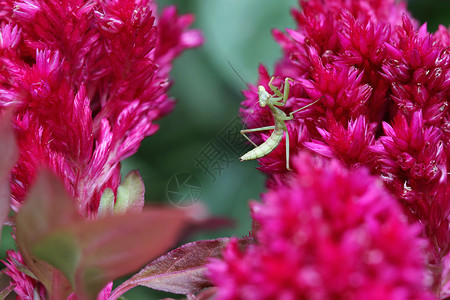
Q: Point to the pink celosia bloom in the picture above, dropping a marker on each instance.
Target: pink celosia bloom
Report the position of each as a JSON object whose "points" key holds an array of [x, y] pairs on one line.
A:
{"points": [[413, 157], [88, 80], [336, 52], [25, 286], [328, 233], [445, 294], [384, 87], [413, 163]]}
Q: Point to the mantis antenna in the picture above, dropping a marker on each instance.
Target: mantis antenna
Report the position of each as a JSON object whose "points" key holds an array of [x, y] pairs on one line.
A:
{"points": [[229, 62], [251, 108]]}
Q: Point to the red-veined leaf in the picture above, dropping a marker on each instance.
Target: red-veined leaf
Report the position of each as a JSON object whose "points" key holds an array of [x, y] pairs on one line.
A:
{"points": [[181, 271], [47, 207]]}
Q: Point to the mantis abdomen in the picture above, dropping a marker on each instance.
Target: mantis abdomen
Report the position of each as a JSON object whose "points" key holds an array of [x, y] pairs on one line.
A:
{"points": [[265, 148]]}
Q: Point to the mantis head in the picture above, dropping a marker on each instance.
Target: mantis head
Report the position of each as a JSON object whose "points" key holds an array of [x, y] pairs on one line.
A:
{"points": [[263, 96]]}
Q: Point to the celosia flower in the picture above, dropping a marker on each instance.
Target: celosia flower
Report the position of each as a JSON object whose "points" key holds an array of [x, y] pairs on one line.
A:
{"points": [[88, 79], [328, 233], [413, 159], [383, 87], [336, 53], [25, 286], [350, 143], [446, 278]]}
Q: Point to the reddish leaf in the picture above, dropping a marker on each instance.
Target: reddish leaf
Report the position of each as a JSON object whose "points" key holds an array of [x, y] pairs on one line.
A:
{"points": [[46, 207], [8, 146], [6, 291], [90, 253], [181, 271], [8, 157], [5, 195], [6, 287]]}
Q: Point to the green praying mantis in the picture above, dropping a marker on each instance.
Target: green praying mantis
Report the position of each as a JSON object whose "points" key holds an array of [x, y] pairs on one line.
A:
{"points": [[278, 99]]}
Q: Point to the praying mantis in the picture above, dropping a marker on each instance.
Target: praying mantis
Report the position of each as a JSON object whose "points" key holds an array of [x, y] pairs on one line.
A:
{"points": [[280, 118]]}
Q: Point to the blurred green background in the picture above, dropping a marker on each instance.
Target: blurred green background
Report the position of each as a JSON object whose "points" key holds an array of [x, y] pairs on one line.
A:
{"points": [[207, 93]]}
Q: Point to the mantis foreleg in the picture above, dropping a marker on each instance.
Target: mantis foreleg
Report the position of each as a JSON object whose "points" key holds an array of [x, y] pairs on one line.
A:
{"points": [[282, 96], [274, 89]]}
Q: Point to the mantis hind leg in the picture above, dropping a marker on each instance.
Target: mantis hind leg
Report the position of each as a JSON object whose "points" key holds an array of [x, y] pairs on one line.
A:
{"points": [[244, 131], [287, 152], [302, 108]]}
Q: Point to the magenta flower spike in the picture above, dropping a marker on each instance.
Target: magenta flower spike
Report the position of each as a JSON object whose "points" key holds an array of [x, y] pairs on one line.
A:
{"points": [[383, 86], [88, 80], [328, 233]]}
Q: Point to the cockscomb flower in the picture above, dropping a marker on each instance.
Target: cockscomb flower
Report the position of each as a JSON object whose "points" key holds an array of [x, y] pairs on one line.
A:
{"points": [[343, 101], [383, 87], [26, 284], [336, 53], [350, 144], [442, 35], [328, 233], [414, 160], [349, 66], [417, 69], [87, 80], [446, 278], [413, 155]]}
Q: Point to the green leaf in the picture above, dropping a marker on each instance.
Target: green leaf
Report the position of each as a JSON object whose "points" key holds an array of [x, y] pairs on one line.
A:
{"points": [[46, 208], [61, 250], [106, 206], [130, 194]]}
